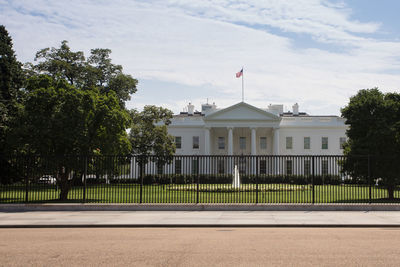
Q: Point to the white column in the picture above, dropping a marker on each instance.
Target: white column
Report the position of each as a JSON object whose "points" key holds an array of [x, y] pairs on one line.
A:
{"points": [[253, 150], [276, 151], [230, 141], [207, 141], [276, 142], [230, 150], [253, 142]]}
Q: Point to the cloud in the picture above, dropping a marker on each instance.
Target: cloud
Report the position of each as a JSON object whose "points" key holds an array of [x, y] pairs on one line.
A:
{"points": [[321, 19], [199, 44]]}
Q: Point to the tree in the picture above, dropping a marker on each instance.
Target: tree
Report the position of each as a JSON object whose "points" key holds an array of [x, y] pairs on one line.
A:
{"points": [[149, 135], [97, 71], [374, 120], [11, 82], [59, 119], [61, 63]]}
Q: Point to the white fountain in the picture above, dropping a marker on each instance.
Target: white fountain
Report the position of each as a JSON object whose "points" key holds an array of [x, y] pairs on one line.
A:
{"points": [[236, 178]]}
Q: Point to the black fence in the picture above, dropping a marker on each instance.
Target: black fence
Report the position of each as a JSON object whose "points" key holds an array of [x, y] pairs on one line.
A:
{"points": [[196, 179]]}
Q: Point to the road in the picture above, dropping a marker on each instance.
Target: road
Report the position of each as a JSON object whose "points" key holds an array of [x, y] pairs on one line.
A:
{"points": [[200, 247]]}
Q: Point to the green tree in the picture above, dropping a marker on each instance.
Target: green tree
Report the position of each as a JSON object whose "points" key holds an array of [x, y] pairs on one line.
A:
{"points": [[76, 106], [149, 135], [374, 120], [11, 82], [11, 94], [59, 119], [61, 63], [97, 71]]}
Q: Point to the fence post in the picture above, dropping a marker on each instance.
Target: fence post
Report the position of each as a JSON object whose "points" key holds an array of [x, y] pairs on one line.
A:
{"points": [[141, 169], [312, 179], [27, 162], [256, 173], [198, 180], [84, 179], [369, 179]]}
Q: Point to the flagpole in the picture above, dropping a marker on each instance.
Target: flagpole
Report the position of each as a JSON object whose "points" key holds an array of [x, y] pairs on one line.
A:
{"points": [[242, 85]]}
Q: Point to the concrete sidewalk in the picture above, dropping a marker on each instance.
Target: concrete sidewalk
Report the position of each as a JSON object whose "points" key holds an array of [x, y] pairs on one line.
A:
{"points": [[200, 219]]}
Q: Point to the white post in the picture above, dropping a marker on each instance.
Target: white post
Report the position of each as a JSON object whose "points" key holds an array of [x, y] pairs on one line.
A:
{"points": [[236, 178], [242, 84]]}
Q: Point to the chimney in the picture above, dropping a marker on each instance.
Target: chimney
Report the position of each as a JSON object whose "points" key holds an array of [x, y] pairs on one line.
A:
{"points": [[275, 109], [190, 108], [296, 109]]}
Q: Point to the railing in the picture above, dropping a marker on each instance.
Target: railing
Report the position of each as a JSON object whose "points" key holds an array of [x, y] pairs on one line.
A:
{"points": [[192, 179]]}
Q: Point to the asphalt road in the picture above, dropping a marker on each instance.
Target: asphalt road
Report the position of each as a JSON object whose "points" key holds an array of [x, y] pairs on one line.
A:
{"points": [[200, 247]]}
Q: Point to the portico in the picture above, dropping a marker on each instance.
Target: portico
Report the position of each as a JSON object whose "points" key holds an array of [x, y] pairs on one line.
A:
{"points": [[241, 130]]}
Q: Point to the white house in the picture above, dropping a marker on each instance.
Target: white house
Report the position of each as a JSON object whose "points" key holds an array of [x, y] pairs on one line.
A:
{"points": [[243, 129]]}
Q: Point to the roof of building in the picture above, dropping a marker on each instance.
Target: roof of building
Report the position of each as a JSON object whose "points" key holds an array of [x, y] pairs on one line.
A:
{"points": [[198, 114]]}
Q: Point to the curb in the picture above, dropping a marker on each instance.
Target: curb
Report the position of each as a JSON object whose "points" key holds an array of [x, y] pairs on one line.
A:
{"points": [[198, 207], [7, 226]]}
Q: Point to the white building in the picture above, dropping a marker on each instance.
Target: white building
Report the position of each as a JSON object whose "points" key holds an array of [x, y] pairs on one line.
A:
{"points": [[243, 129]]}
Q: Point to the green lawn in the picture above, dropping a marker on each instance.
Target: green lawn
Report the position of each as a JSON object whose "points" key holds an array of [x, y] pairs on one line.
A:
{"points": [[208, 193]]}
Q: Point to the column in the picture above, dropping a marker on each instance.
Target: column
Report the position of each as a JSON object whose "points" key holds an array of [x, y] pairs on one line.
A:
{"points": [[276, 169], [207, 141], [253, 150], [230, 150], [276, 141], [205, 161], [253, 141], [230, 141]]}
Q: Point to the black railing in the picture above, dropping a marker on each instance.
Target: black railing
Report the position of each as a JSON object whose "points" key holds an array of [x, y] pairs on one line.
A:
{"points": [[193, 179]]}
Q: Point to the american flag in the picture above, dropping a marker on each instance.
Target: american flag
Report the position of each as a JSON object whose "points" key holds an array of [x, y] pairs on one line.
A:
{"points": [[240, 73]]}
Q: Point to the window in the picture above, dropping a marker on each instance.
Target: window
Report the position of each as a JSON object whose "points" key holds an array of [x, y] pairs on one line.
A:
{"points": [[306, 142], [195, 166], [307, 167], [242, 142], [324, 143], [221, 166], [289, 166], [160, 168], [221, 142], [263, 142], [263, 166], [324, 167], [178, 142], [342, 140], [178, 166], [289, 142], [195, 142]]}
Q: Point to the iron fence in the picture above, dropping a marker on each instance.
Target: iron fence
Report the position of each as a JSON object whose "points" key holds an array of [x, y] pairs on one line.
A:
{"points": [[193, 179]]}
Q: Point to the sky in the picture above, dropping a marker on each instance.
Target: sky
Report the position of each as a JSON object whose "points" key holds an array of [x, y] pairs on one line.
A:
{"points": [[317, 53]]}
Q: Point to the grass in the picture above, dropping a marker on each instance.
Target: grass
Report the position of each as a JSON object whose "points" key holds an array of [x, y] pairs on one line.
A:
{"points": [[208, 193]]}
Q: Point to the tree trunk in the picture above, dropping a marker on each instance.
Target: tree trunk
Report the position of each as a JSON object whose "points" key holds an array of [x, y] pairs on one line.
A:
{"points": [[390, 189], [64, 193], [64, 186]]}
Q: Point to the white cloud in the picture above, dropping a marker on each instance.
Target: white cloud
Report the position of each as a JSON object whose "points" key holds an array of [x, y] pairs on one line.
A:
{"points": [[321, 19], [197, 43]]}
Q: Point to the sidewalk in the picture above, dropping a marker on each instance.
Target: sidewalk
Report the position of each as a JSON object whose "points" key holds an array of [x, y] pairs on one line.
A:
{"points": [[200, 219]]}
